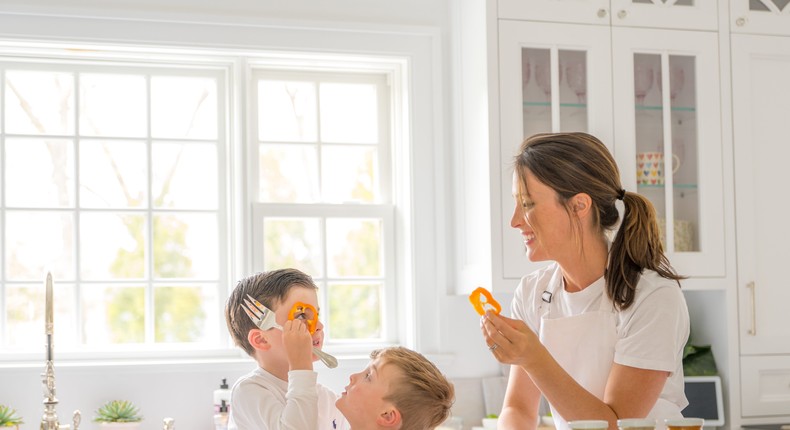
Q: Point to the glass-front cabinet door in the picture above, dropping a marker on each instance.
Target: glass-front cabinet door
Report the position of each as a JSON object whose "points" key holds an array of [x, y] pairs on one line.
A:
{"points": [[668, 139], [552, 77]]}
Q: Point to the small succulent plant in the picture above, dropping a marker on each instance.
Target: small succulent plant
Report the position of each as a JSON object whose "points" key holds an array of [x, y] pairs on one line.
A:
{"points": [[118, 411], [8, 417]]}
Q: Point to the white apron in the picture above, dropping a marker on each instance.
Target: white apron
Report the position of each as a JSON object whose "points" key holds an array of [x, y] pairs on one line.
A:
{"points": [[584, 346]]}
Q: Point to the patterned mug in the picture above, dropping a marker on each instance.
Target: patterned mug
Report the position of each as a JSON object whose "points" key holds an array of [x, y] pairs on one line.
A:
{"points": [[650, 168]]}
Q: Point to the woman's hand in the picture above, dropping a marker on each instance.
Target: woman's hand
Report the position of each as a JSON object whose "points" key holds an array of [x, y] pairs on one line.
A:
{"points": [[510, 340]]}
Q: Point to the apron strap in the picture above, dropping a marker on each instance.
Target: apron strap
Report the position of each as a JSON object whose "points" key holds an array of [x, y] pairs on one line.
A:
{"points": [[555, 283]]}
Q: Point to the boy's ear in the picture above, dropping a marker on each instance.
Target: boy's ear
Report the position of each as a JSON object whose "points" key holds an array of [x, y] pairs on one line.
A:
{"points": [[390, 418], [257, 338]]}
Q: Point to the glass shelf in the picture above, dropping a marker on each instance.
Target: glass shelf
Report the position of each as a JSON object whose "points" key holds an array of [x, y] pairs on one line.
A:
{"points": [[545, 104], [673, 108], [637, 107], [661, 187]]}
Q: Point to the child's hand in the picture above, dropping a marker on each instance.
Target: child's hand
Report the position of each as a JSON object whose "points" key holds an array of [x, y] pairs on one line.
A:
{"points": [[298, 344]]}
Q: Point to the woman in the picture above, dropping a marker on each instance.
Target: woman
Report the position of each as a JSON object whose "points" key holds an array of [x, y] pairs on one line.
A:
{"points": [[600, 332]]}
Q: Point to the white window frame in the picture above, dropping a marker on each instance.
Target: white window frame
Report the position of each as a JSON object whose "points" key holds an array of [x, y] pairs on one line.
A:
{"points": [[348, 70], [145, 65], [421, 219]]}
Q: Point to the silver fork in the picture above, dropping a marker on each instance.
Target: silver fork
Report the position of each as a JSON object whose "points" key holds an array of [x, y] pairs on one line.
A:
{"points": [[263, 318]]}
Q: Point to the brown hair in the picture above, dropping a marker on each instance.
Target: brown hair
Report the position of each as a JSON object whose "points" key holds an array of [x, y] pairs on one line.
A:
{"points": [[573, 163], [422, 394], [270, 288]]}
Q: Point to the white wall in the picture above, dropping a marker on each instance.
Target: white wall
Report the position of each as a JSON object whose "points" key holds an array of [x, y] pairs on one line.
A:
{"points": [[183, 390], [374, 12]]}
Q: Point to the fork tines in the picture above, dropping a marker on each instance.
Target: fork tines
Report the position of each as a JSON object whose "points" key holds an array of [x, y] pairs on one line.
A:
{"points": [[252, 309]]}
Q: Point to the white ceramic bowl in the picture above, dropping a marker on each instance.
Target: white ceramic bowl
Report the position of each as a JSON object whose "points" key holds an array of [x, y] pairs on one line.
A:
{"points": [[489, 423], [588, 424], [636, 424]]}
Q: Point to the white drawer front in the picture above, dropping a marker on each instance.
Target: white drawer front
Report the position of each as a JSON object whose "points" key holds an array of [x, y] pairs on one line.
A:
{"points": [[765, 386]]}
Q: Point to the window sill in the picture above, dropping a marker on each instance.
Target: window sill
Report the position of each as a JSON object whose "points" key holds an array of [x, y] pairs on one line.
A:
{"points": [[346, 362]]}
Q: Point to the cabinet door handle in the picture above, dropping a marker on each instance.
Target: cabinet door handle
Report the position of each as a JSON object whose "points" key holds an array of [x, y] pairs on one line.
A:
{"points": [[752, 287]]}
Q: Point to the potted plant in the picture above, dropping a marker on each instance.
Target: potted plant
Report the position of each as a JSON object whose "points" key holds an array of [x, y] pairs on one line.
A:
{"points": [[118, 415], [8, 418]]}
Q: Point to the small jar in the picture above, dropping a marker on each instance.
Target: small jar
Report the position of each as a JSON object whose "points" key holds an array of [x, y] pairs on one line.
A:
{"points": [[685, 423], [636, 424], [589, 424]]}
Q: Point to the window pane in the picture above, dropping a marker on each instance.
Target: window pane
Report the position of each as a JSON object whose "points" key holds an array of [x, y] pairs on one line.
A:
{"points": [[184, 175], [100, 188], [113, 314], [292, 242], [354, 247], [39, 102], [113, 174], [183, 107], [350, 174], [355, 311], [186, 246], [25, 316], [286, 111], [288, 174], [37, 242], [186, 314], [113, 105], [112, 245], [39, 173], [349, 113]]}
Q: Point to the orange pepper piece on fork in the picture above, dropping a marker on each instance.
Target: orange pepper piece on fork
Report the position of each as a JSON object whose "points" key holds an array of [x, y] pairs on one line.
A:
{"points": [[305, 312], [482, 300]]}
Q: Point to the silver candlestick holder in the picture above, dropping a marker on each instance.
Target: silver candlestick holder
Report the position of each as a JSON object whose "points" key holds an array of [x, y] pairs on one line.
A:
{"points": [[49, 421]]}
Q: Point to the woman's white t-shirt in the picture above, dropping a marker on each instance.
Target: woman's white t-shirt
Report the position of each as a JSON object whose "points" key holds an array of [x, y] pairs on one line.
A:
{"points": [[651, 333]]}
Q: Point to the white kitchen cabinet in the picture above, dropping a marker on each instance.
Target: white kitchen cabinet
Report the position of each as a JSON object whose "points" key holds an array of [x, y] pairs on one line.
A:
{"points": [[668, 108], [765, 388], [761, 111], [552, 65], [760, 17], [570, 11], [538, 74], [680, 14]]}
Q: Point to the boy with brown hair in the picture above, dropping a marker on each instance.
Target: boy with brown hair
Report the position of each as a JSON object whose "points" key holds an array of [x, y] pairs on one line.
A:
{"points": [[282, 392], [400, 389]]}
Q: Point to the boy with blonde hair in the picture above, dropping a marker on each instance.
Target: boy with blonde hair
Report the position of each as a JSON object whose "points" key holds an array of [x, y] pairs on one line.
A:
{"points": [[282, 392], [400, 389]]}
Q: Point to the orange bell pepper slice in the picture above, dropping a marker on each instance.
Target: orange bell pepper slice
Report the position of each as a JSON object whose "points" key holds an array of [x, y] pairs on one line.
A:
{"points": [[482, 300], [305, 312]]}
